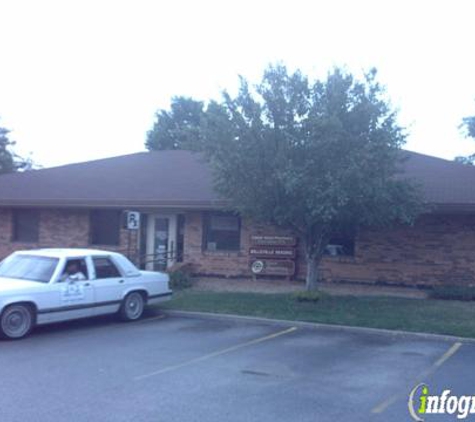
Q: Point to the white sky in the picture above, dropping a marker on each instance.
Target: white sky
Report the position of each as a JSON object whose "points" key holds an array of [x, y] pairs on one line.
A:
{"points": [[81, 80]]}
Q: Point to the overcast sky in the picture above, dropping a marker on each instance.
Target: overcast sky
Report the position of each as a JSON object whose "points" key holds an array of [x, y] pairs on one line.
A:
{"points": [[81, 80]]}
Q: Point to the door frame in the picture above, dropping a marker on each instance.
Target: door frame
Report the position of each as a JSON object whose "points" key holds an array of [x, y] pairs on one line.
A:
{"points": [[172, 237]]}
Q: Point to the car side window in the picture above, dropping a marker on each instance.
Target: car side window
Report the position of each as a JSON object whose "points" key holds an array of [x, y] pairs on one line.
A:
{"points": [[105, 268], [75, 270]]}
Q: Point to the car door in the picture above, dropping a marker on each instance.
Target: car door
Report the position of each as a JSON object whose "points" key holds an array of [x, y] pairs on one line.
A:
{"points": [[69, 297], [108, 285]]}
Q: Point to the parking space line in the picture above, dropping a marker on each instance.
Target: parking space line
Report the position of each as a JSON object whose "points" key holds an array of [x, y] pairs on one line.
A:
{"points": [[217, 353], [150, 319], [448, 354], [380, 408]]}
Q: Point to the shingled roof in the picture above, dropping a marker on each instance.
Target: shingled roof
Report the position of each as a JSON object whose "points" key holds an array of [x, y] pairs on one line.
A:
{"points": [[181, 179], [144, 179]]}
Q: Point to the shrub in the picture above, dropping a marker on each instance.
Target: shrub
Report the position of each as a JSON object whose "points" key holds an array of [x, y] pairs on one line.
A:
{"points": [[304, 296], [453, 292], [180, 280]]}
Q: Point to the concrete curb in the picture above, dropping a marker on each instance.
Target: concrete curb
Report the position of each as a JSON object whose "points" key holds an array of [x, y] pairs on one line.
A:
{"points": [[315, 325]]}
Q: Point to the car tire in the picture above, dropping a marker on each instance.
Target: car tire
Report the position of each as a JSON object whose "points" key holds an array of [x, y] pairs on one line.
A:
{"points": [[17, 321], [132, 307]]}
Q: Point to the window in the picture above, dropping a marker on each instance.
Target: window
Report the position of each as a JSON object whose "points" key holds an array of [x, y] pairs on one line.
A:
{"points": [[105, 268], [340, 246], [105, 227], [75, 269], [222, 232], [26, 225]]}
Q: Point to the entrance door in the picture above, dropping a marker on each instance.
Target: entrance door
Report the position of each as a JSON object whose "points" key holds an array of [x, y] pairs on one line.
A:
{"points": [[161, 241]]}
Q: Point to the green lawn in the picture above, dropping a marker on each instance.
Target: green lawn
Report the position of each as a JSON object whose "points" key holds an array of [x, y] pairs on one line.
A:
{"points": [[430, 316]]}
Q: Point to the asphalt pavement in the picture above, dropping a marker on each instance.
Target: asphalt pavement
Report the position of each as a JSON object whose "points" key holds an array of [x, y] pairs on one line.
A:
{"points": [[172, 368]]}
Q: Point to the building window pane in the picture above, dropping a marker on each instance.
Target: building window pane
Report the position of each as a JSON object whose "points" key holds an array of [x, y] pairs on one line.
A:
{"points": [[26, 224], [341, 246], [222, 232], [105, 227]]}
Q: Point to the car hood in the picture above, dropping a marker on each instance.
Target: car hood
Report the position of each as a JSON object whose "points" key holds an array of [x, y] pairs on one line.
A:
{"points": [[14, 284]]}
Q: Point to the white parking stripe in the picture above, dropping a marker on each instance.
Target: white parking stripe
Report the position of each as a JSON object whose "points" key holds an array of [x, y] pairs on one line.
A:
{"points": [[214, 354], [380, 408]]}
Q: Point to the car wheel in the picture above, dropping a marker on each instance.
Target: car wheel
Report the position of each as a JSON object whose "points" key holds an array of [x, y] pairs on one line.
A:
{"points": [[132, 307], [17, 321]]}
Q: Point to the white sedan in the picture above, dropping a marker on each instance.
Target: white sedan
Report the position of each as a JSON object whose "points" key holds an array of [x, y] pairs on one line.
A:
{"points": [[50, 285]]}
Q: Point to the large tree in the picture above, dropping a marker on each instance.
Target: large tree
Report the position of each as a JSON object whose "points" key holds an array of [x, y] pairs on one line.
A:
{"points": [[177, 128], [321, 158], [9, 161], [469, 124]]}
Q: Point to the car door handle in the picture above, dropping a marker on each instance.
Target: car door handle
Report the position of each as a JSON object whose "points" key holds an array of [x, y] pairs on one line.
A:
{"points": [[87, 284], [121, 281]]}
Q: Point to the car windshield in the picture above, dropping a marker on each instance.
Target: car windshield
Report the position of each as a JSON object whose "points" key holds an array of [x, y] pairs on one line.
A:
{"points": [[28, 267]]}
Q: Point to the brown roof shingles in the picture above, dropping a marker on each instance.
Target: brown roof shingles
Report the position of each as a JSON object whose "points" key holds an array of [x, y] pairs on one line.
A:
{"points": [[443, 182], [168, 178], [181, 179]]}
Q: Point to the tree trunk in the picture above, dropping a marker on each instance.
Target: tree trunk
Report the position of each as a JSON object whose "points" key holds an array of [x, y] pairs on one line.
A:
{"points": [[311, 282], [316, 239]]}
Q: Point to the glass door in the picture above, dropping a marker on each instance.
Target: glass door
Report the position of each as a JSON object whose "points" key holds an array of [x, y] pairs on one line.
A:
{"points": [[161, 250], [161, 242]]}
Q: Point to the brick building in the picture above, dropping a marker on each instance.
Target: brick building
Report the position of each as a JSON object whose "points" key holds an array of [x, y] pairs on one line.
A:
{"points": [[182, 219]]}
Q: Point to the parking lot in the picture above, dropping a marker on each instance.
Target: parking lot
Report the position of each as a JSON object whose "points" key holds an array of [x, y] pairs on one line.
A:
{"points": [[172, 368]]}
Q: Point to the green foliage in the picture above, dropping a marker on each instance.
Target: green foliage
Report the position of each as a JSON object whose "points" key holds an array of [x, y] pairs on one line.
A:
{"points": [[9, 161], [453, 292], [180, 280], [178, 128], [470, 159], [306, 296], [318, 157], [394, 313], [468, 125]]}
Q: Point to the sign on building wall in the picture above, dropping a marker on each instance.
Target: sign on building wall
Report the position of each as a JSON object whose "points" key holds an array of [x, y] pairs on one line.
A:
{"points": [[132, 220], [272, 252], [273, 240], [273, 255], [277, 267]]}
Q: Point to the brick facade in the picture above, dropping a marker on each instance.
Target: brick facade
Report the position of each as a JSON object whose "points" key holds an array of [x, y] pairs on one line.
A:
{"points": [[66, 228], [437, 249], [228, 264]]}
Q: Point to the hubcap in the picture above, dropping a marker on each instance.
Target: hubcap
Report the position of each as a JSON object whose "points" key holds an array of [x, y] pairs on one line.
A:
{"points": [[16, 322], [134, 306]]}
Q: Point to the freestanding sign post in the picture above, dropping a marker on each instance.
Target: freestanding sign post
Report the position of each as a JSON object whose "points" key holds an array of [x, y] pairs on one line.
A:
{"points": [[131, 222], [273, 255]]}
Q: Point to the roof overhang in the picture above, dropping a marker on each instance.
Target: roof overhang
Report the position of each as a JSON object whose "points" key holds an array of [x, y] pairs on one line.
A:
{"points": [[144, 205], [451, 208], [116, 204]]}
